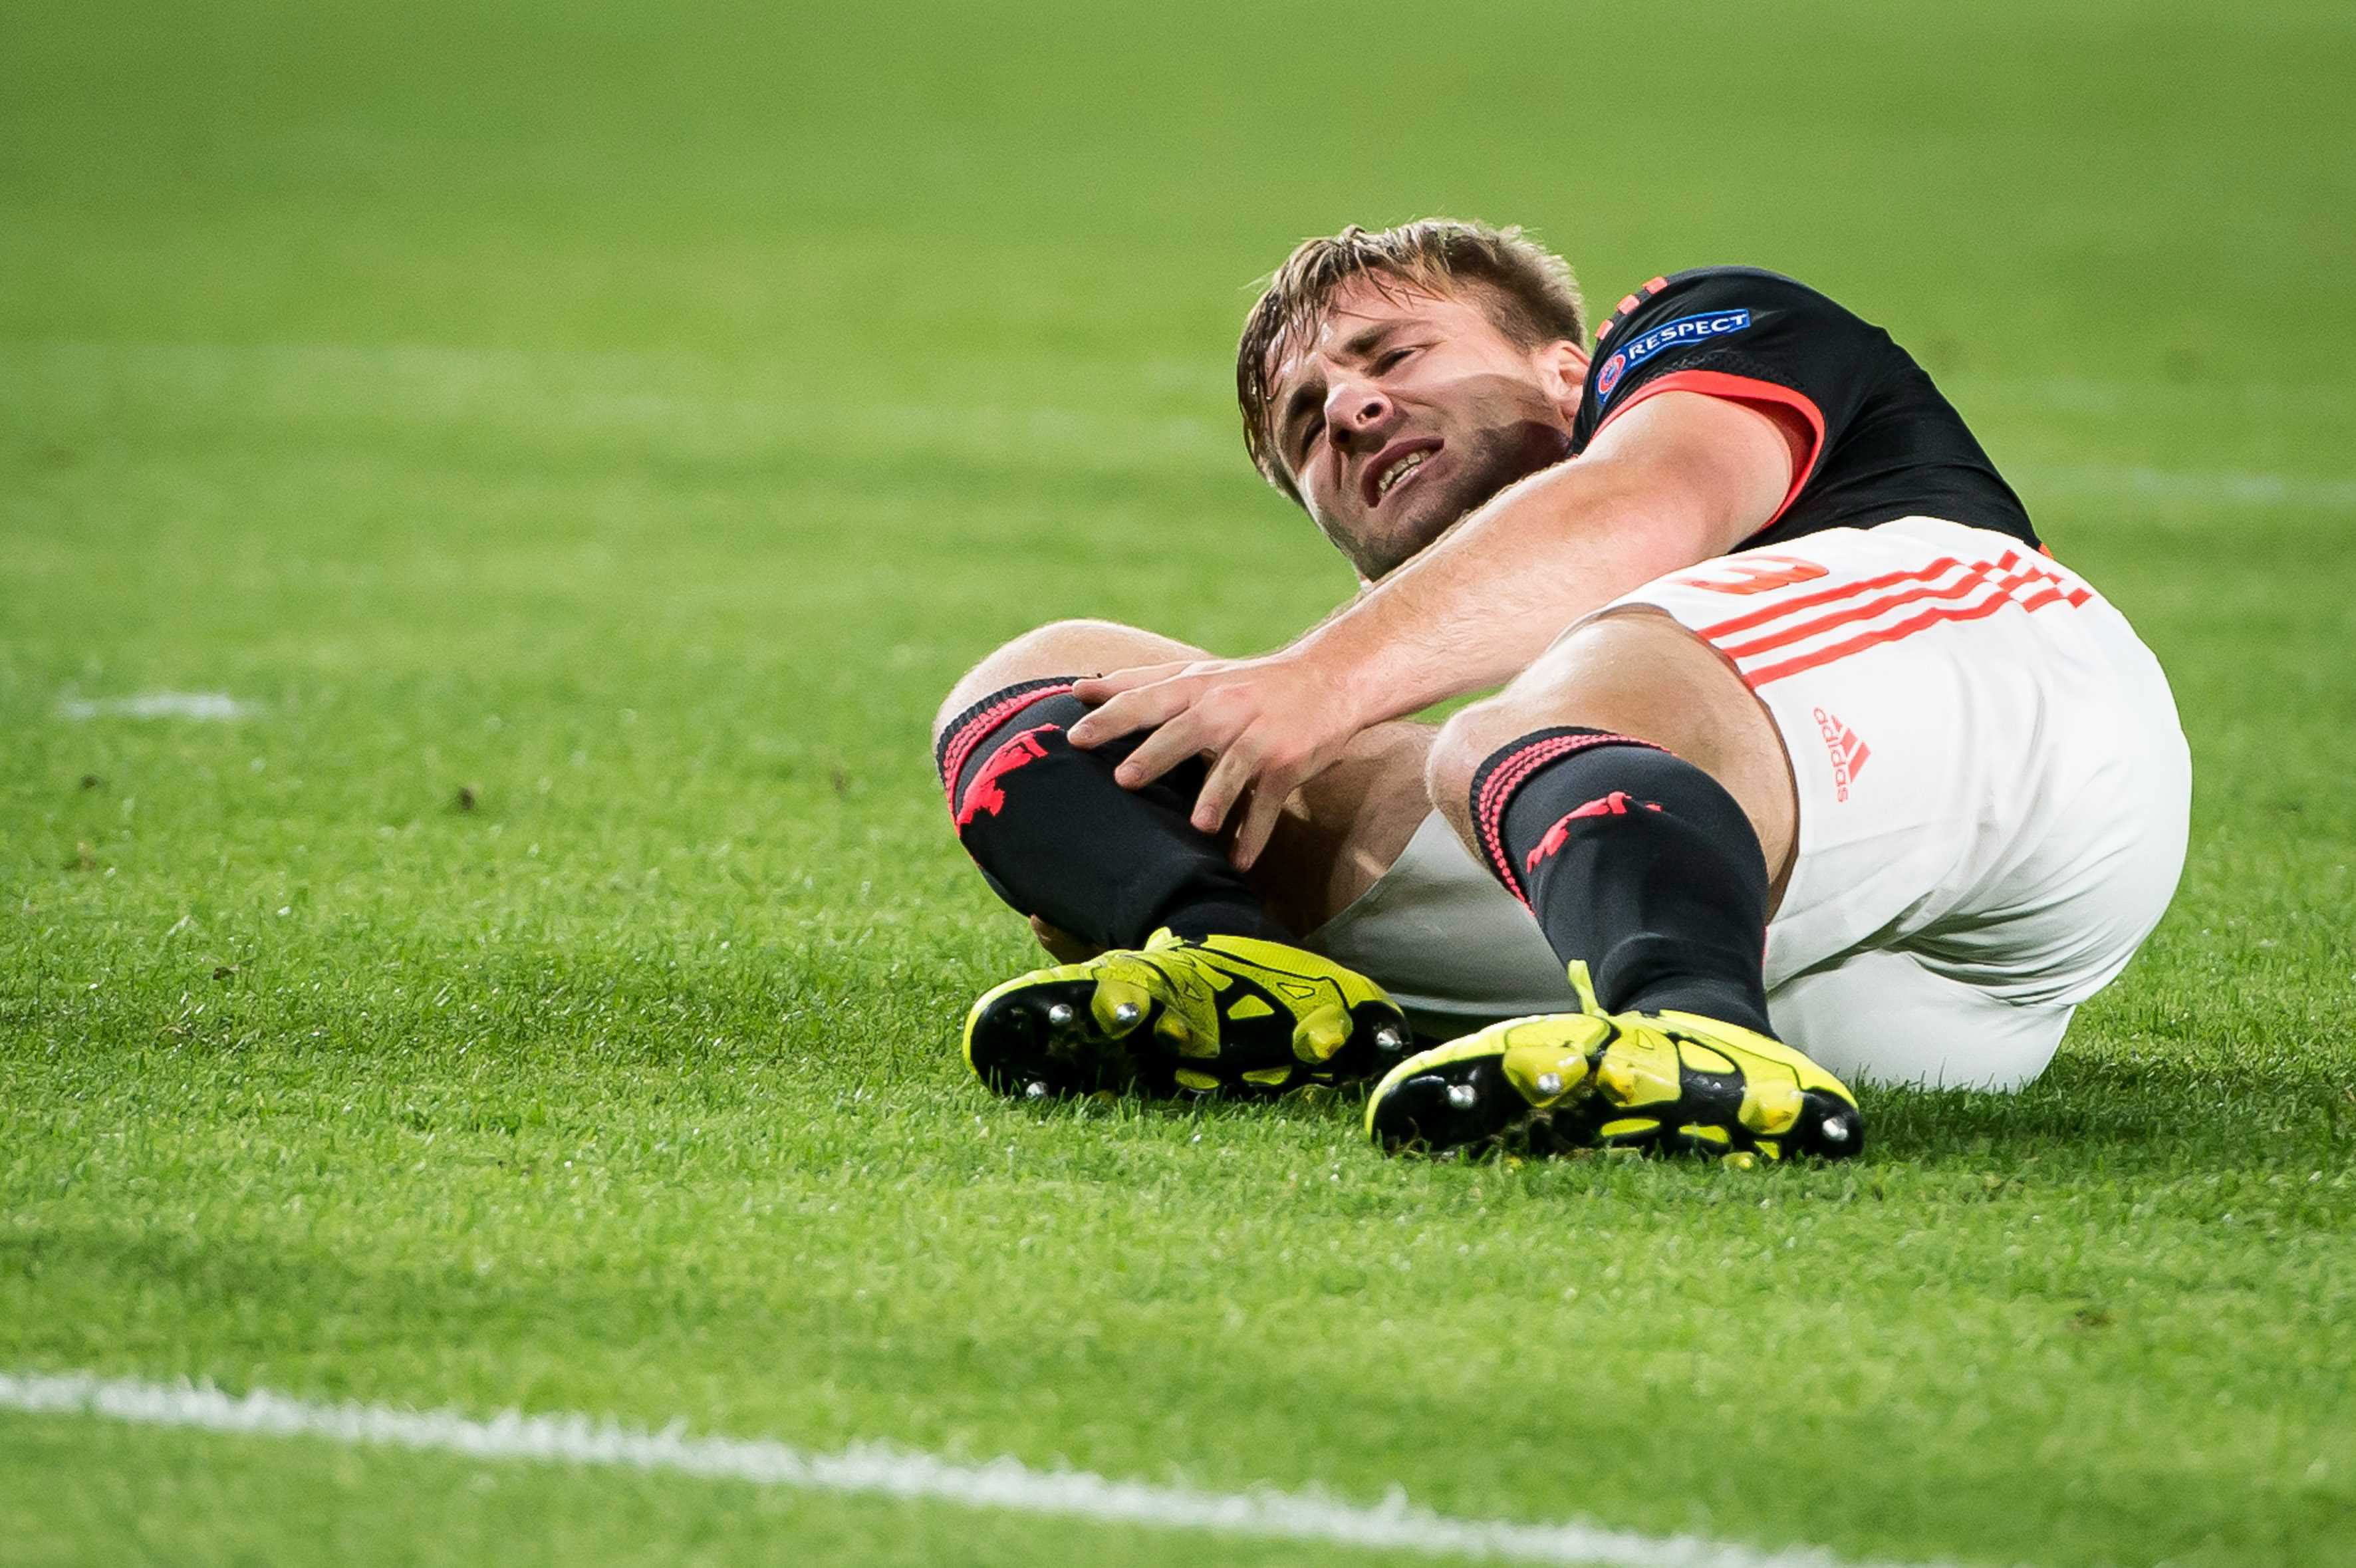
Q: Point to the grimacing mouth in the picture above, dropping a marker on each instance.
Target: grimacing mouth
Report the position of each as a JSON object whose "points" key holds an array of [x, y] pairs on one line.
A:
{"points": [[1389, 467]]}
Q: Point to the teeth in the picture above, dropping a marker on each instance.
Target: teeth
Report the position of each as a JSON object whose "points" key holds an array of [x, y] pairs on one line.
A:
{"points": [[1397, 472]]}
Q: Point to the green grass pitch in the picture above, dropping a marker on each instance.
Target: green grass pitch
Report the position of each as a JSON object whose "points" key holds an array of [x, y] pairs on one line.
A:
{"points": [[635, 416]]}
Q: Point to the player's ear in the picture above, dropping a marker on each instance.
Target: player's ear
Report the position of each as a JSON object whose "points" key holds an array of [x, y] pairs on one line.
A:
{"points": [[1562, 369]]}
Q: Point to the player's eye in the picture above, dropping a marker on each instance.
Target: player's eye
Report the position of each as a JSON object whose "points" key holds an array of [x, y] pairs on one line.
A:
{"points": [[1310, 428], [1392, 360]]}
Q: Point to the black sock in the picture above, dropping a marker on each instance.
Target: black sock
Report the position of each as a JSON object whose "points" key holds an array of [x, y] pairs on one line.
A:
{"points": [[1637, 863], [1056, 837]]}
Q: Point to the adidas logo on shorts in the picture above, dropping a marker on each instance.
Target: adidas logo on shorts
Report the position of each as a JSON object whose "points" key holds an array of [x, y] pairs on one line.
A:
{"points": [[1847, 752]]}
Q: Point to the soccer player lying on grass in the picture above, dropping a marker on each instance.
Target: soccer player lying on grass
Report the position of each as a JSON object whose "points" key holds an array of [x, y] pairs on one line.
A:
{"points": [[1785, 672]]}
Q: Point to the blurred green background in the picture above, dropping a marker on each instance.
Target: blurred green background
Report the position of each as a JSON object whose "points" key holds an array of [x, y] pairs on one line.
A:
{"points": [[635, 417]]}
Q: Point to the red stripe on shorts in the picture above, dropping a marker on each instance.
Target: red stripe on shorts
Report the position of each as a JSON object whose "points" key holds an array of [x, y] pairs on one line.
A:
{"points": [[1778, 609], [1975, 577], [1900, 630]]}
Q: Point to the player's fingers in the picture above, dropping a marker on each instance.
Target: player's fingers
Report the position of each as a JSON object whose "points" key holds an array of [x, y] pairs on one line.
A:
{"points": [[1113, 683], [1140, 708], [1261, 813], [1160, 752], [1229, 777]]}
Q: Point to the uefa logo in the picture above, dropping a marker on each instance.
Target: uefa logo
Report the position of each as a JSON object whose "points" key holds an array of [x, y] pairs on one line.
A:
{"points": [[1609, 377]]}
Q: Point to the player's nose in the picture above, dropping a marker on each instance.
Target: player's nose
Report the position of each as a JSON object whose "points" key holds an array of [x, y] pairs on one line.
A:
{"points": [[1359, 413]]}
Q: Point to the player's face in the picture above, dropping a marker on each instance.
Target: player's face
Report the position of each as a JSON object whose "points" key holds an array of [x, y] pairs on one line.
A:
{"points": [[1405, 411]]}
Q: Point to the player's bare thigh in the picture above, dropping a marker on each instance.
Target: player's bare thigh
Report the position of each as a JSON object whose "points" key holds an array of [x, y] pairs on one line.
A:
{"points": [[1339, 832], [1636, 672]]}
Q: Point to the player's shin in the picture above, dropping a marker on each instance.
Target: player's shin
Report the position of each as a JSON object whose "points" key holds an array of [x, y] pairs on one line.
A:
{"points": [[1650, 885], [1057, 837], [1200, 991], [1637, 863]]}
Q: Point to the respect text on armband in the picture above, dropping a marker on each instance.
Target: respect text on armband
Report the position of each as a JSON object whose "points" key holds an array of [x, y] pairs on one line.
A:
{"points": [[1685, 329]]}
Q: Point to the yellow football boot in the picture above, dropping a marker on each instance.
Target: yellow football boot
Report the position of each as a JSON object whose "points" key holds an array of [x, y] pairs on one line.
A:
{"points": [[1228, 1015], [1657, 1082]]}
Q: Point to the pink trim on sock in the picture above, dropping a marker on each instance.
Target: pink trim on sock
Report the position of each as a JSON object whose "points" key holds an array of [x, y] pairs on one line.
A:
{"points": [[1509, 775], [970, 734]]}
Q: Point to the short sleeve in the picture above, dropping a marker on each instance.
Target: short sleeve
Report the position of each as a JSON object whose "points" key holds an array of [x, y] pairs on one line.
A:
{"points": [[1738, 333]]}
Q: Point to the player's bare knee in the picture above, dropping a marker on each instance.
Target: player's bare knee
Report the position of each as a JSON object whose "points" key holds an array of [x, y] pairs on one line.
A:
{"points": [[1463, 743], [1076, 646], [1643, 675], [1587, 681]]}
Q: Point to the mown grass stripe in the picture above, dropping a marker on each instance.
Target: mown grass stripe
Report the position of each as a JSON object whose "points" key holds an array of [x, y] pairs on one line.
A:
{"points": [[881, 1470]]}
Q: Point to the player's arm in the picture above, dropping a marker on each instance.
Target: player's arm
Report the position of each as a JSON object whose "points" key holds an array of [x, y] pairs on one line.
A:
{"points": [[1668, 482], [1677, 480]]}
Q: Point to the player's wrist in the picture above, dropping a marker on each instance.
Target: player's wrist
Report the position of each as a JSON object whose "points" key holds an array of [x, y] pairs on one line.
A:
{"points": [[1353, 693]]}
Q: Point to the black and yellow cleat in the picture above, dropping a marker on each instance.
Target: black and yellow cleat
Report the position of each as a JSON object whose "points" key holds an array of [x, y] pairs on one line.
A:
{"points": [[1659, 1083], [1228, 1014]]}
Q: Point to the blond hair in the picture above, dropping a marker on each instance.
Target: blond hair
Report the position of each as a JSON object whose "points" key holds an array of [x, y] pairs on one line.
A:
{"points": [[1526, 291]]}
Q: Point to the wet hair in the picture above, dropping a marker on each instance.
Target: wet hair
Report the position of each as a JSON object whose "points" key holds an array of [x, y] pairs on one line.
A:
{"points": [[1526, 291]]}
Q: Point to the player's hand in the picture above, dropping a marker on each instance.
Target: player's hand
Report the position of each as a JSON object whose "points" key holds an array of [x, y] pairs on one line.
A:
{"points": [[1268, 726]]}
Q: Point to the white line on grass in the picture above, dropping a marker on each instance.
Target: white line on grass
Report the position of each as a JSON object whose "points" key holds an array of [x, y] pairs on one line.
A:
{"points": [[2191, 487], [155, 705], [880, 1470]]}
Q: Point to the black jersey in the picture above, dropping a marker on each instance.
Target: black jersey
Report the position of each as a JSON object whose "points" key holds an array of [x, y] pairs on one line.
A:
{"points": [[1886, 444]]}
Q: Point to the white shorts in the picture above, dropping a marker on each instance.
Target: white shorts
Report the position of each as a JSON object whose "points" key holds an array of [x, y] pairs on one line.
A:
{"points": [[1993, 794]]}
